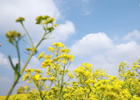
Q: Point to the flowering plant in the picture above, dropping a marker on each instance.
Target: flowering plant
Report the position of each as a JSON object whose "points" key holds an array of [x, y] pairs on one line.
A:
{"points": [[57, 83], [14, 37]]}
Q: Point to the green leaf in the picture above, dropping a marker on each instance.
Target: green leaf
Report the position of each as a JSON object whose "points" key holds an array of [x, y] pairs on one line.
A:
{"points": [[17, 71], [17, 67], [11, 63]]}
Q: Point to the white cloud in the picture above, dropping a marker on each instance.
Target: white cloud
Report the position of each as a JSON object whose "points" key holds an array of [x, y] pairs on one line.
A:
{"points": [[34, 63], [3, 60], [61, 33], [128, 52], [92, 43], [134, 35], [101, 61], [64, 30], [101, 52], [29, 9], [15, 61]]}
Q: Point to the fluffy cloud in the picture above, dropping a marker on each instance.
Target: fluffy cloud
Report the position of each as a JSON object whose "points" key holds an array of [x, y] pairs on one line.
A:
{"points": [[101, 61], [61, 33], [99, 50], [128, 52], [3, 60], [134, 35], [34, 63], [26, 8], [30, 9], [64, 30], [92, 43]]}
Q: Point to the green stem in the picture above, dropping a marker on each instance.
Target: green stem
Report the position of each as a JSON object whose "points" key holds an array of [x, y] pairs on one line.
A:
{"points": [[15, 82], [27, 34], [32, 54], [62, 80], [18, 54], [58, 79], [11, 63], [40, 92], [12, 88]]}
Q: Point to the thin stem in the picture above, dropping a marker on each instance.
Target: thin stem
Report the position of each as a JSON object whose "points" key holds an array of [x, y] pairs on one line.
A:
{"points": [[11, 63], [40, 92], [27, 61], [62, 79], [58, 78], [18, 54], [25, 66], [27, 34], [15, 82], [12, 88], [31, 55]]}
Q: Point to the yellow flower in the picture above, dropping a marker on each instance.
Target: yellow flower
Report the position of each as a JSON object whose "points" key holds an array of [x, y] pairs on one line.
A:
{"points": [[20, 19], [133, 68], [37, 76], [39, 19], [38, 71], [48, 56], [52, 78], [70, 75], [53, 19], [20, 90], [64, 61], [58, 44], [29, 70], [51, 49], [44, 78], [27, 87], [46, 87], [26, 76], [41, 55], [55, 24], [139, 60]]}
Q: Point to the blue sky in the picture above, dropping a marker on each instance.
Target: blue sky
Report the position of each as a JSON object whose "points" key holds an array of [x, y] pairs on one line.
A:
{"points": [[100, 32]]}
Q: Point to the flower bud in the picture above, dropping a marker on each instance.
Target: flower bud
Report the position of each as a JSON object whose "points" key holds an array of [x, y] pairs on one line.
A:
{"points": [[20, 19]]}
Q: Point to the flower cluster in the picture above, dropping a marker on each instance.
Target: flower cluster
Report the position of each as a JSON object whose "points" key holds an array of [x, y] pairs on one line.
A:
{"points": [[13, 36], [46, 22], [20, 19], [89, 84]]}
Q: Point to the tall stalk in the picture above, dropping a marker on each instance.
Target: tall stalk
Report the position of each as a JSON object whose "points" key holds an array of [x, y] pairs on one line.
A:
{"points": [[12, 35]]}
